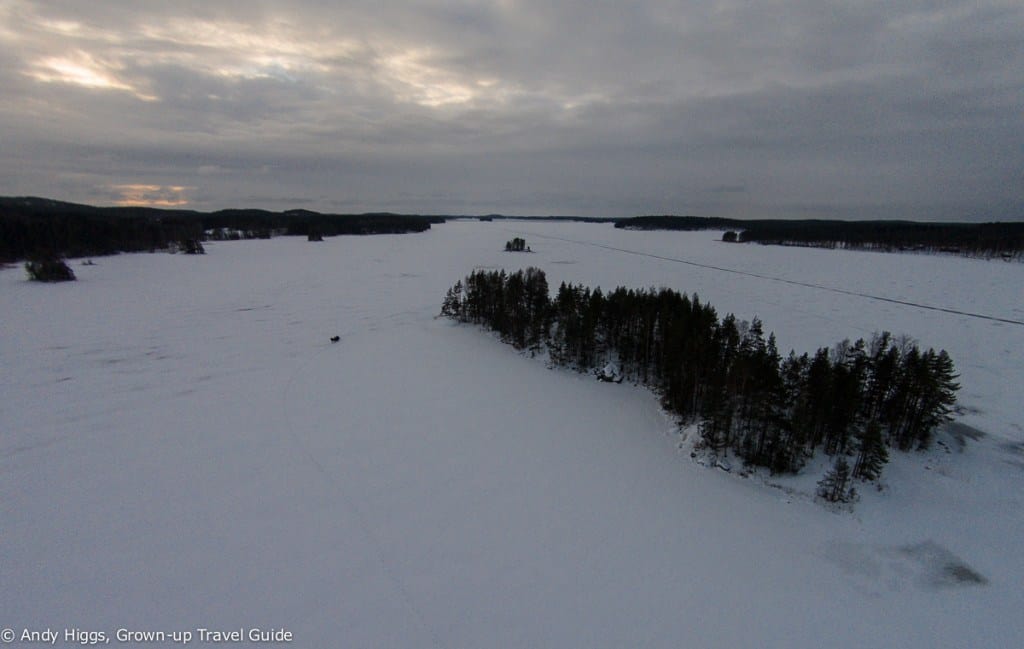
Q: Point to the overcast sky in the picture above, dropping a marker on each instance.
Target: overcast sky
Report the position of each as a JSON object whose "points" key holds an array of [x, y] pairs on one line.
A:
{"points": [[767, 108]]}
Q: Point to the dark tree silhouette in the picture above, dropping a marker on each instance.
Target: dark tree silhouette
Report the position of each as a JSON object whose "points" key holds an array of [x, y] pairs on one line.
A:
{"points": [[48, 268], [517, 245], [834, 487], [30, 224], [1004, 240]]}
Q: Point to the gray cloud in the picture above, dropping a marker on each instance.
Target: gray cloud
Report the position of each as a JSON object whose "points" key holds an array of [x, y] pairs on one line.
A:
{"points": [[794, 108]]}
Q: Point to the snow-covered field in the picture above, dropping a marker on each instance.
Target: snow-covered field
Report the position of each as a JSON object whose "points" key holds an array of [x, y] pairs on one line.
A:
{"points": [[181, 447]]}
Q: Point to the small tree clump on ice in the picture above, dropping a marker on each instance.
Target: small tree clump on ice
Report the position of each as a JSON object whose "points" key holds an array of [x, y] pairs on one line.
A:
{"points": [[191, 247], [186, 246], [49, 268], [517, 244]]}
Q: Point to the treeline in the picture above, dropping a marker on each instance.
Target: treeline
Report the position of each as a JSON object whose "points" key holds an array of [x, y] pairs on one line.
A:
{"points": [[30, 226], [554, 218], [686, 223], [989, 240], [853, 400]]}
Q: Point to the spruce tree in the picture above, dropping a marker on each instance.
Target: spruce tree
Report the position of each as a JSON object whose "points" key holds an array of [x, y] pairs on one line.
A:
{"points": [[871, 454], [833, 487], [452, 306]]}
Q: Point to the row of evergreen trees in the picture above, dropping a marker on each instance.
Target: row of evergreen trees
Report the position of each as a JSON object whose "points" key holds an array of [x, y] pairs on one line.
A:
{"points": [[31, 226], [986, 240], [853, 400]]}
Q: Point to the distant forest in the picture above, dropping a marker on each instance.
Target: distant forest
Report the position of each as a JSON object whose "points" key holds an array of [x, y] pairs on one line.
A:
{"points": [[854, 400], [31, 226], [989, 240]]}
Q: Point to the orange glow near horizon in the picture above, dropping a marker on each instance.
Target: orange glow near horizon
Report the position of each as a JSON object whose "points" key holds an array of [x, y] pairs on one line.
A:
{"points": [[140, 195]]}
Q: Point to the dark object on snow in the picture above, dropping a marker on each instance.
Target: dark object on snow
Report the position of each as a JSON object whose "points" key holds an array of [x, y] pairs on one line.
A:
{"points": [[48, 268], [335, 339], [187, 247], [517, 245]]}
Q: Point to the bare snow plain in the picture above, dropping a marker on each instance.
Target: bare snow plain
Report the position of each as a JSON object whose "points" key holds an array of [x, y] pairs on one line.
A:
{"points": [[181, 447]]}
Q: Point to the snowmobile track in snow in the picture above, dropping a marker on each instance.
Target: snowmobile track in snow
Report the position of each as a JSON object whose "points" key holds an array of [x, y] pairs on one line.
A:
{"points": [[794, 282]]}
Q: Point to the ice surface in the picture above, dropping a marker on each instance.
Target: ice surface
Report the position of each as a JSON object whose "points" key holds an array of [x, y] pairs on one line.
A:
{"points": [[182, 446]]}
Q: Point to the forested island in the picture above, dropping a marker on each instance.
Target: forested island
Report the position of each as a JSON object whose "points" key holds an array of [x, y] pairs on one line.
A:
{"points": [[1003, 240], [31, 226], [517, 244], [852, 402]]}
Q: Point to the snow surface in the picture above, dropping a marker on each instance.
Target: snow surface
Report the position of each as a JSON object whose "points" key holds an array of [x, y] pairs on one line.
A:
{"points": [[181, 446]]}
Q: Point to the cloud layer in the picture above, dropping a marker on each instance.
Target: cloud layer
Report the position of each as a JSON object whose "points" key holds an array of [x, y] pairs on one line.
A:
{"points": [[900, 109]]}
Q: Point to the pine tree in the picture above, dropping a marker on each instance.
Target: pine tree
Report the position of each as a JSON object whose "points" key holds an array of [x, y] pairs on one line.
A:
{"points": [[881, 374], [833, 487], [872, 455], [452, 306], [788, 453], [940, 389], [538, 306]]}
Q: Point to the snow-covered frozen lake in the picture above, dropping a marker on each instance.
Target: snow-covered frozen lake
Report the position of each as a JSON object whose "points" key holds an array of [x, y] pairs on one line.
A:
{"points": [[181, 447]]}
